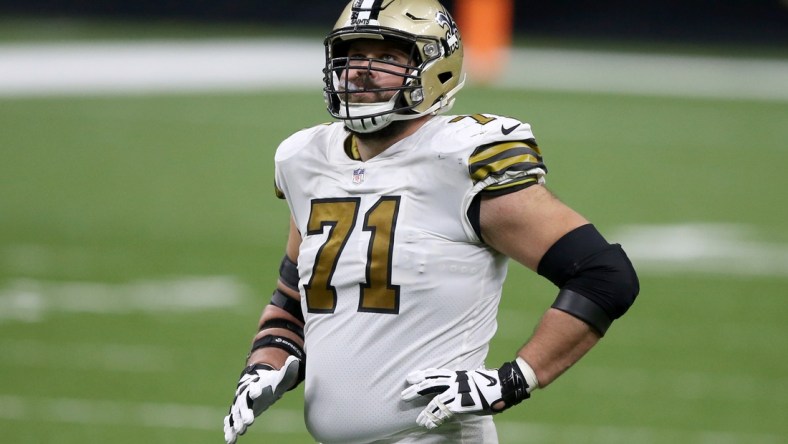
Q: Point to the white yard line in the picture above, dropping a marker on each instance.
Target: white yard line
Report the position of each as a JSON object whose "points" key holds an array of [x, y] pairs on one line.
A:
{"points": [[723, 249], [220, 65], [34, 300], [602, 434], [142, 358], [159, 66], [147, 414], [279, 420], [702, 248], [689, 386]]}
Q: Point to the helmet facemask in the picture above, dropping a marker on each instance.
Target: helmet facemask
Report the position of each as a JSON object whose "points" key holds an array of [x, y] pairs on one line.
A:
{"points": [[344, 93], [429, 79]]}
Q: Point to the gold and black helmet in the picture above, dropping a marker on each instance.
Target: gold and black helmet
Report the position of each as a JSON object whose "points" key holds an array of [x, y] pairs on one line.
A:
{"points": [[432, 77]]}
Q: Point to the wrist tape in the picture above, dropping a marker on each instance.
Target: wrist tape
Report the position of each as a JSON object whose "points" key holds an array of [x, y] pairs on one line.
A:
{"points": [[287, 345], [528, 374], [281, 343]]}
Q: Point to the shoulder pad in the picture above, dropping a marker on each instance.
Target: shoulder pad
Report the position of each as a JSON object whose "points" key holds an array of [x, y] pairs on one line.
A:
{"points": [[504, 156], [488, 128], [298, 140]]}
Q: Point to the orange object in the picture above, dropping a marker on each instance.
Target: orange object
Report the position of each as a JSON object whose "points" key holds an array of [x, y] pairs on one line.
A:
{"points": [[486, 30]]}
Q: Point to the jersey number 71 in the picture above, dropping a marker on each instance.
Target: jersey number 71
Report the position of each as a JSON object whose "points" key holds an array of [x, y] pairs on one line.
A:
{"points": [[378, 294]]}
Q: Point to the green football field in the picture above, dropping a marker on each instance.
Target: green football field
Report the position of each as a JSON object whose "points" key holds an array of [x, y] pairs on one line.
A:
{"points": [[140, 237]]}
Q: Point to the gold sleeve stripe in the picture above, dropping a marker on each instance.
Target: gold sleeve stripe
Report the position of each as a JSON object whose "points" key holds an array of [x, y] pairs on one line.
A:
{"points": [[511, 184], [488, 151], [496, 159], [502, 165], [279, 194]]}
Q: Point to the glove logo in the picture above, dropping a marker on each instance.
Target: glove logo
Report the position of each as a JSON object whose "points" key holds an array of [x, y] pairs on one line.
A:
{"points": [[492, 381]]}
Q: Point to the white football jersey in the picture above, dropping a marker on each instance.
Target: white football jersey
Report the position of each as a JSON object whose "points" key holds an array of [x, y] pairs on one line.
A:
{"points": [[393, 276]]}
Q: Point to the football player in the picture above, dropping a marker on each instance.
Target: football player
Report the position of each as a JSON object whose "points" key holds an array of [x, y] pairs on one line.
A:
{"points": [[403, 219]]}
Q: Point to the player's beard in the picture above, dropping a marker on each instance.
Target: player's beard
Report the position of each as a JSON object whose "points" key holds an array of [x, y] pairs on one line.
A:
{"points": [[393, 129]]}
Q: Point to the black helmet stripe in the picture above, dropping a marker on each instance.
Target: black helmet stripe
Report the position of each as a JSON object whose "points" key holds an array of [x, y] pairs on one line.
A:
{"points": [[364, 11]]}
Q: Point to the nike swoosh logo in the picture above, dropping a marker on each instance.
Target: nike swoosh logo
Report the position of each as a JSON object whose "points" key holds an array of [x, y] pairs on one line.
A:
{"points": [[506, 130], [492, 381]]}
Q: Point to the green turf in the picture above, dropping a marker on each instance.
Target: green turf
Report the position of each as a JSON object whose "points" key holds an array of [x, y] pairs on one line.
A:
{"points": [[116, 190]]}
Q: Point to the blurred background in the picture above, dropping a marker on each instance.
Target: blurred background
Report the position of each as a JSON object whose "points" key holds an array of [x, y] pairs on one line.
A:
{"points": [[140, 236], [733, 21]]}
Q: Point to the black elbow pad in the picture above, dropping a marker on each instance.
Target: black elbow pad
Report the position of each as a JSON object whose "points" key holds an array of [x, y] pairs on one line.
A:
{"points": [[588, 269]]}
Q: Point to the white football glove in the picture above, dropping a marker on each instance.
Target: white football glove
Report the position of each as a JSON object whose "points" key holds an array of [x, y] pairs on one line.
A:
{"points": [[259, 387], [469, 392]]}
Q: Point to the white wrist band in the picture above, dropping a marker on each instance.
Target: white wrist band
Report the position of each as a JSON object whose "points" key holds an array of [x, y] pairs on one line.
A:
{"points": [[528, 373]]}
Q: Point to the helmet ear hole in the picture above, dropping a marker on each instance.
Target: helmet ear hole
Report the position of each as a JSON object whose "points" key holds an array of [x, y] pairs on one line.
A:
{"points": [[445, 76]]}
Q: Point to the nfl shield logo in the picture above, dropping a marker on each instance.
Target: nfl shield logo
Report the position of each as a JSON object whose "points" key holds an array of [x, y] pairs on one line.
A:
{"points": [[358, 175]]}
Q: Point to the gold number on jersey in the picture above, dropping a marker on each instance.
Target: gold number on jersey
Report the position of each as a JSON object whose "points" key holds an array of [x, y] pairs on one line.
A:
{"points": [[481, 119], [340, 216], [378, 294]]}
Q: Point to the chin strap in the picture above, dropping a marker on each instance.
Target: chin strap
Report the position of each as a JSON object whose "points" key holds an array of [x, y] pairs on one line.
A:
{"points": [[372, 124], [442, 105]]}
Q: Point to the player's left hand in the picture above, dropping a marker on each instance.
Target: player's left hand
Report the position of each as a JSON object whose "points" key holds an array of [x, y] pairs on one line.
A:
{"points": [[481, 392]]}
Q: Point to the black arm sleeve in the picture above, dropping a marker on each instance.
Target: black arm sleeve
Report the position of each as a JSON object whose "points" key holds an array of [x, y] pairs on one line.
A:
{"points": [[597, 280]]}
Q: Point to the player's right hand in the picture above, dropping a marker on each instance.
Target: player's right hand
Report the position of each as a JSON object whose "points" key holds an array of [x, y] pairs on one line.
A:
{"points": [[259, 387]]}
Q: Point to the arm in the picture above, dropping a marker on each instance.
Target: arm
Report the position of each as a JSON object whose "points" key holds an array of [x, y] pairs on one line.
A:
{"points": [[524, 225], [597, 285], [276, 361], [275, 357]]}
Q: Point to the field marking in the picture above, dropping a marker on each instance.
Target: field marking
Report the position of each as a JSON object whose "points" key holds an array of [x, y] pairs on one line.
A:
{"points": [[641, 74], [145, 414], [87, 356], [727, 249], [278, 420], [510, 431], [246, 64], [158, 66], [685, 385], [31, 300]]}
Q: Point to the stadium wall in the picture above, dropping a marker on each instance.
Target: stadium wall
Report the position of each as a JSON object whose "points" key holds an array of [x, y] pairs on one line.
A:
{"points": [[763, 22]]}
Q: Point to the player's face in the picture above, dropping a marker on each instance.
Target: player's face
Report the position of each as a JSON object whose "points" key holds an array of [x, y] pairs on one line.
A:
{"points": [[364, 74]]}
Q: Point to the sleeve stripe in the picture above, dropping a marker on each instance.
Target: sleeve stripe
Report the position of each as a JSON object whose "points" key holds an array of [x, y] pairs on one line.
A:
{"points": [[497, 158], [511, 163], [511, 184], [486, 152], [518, 151]]}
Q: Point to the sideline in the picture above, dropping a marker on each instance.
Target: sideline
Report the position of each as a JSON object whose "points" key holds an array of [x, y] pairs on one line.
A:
{"points": [[659, 75], [168, 66]]}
